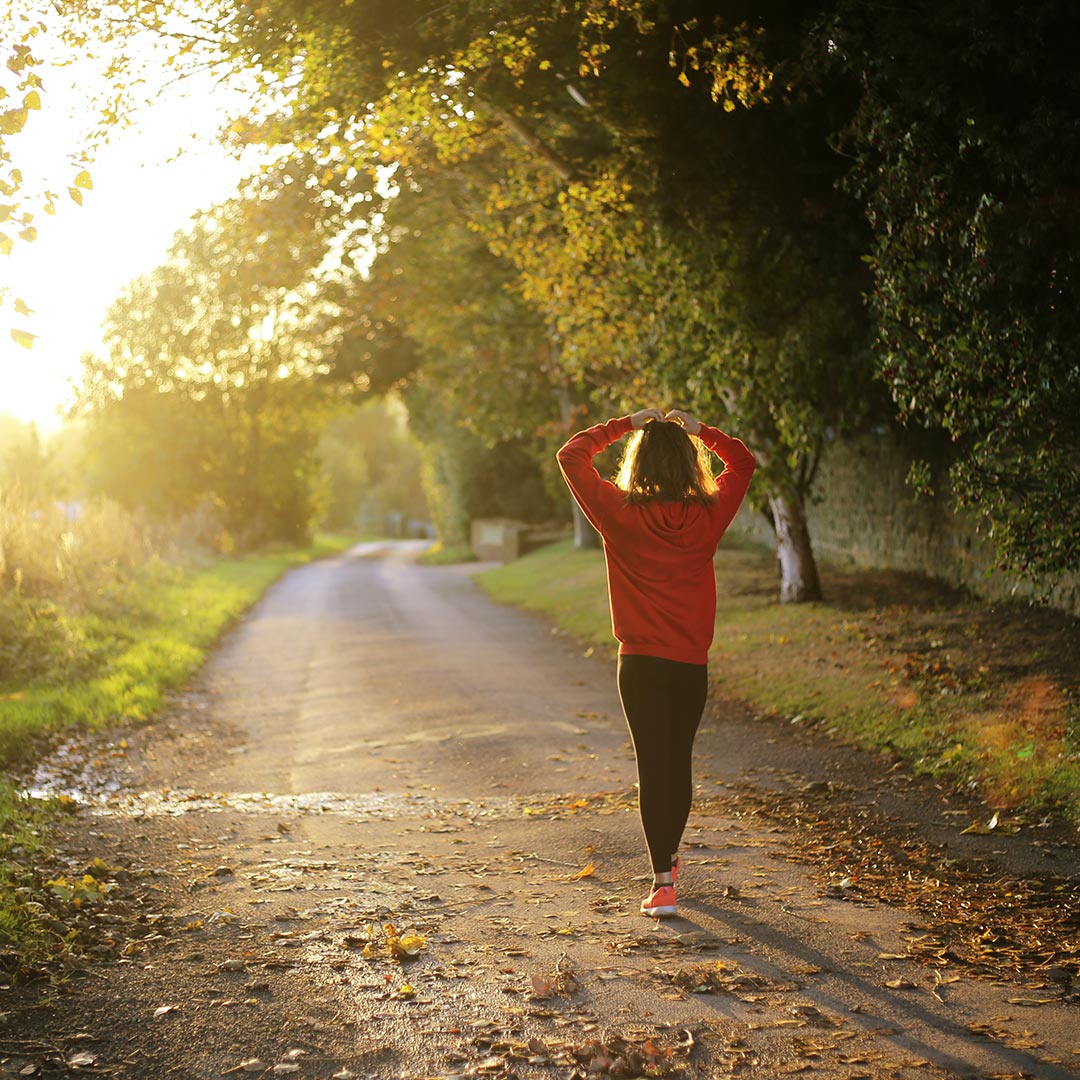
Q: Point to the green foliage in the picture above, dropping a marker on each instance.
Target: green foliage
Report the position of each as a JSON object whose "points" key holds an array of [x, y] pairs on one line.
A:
{"points": [[209, 397], [647, 199], [728, 279], [21, 823], [78, 555], [466, 478], [965, 144], [370, 467]]}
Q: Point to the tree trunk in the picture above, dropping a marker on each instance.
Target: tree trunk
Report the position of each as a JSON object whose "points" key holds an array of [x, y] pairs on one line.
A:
{"points": [[585, 536], [798, 571]]}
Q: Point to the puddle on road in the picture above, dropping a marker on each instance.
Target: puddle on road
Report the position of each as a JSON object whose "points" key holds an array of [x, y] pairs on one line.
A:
{"points": [[373, 806], [78, 770], [106, 798], [90, 772]]}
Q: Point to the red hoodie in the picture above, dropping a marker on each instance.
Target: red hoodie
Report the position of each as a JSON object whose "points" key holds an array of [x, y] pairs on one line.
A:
{"points": [[659, 554]]}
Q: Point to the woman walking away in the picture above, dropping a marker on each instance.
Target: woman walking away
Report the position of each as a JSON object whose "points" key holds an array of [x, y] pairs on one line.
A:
{"points": [[660, 524]]}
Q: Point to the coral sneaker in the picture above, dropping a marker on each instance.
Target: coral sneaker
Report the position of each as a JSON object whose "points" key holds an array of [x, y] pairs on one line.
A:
{"points": [[659, 903]]}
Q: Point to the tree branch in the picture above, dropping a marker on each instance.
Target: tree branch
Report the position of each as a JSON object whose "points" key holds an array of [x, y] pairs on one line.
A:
{"points": [[527, 137]]}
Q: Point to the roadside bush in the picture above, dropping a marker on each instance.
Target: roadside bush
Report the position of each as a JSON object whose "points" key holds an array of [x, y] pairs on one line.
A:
{"points": [[67, 552], [31, 636]]}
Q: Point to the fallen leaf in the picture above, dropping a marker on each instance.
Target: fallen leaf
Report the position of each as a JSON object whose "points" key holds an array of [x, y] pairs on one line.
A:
{"points": [[401, 946], [697, 939], [1007, 827], [589, 871]]}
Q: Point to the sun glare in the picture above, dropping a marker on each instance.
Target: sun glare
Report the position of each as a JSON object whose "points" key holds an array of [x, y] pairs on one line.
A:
{"points": [[147, 182]]}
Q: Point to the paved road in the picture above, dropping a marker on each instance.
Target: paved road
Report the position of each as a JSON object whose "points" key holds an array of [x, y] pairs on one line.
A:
{"points": [[377, 745], [353, 663]]}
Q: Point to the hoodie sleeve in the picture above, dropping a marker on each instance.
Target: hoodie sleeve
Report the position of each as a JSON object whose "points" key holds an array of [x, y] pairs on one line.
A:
{"points": [[597, 497], [733, 482]]}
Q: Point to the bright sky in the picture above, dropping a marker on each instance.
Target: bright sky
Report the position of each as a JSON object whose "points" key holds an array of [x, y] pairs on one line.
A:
{"points": [[143, 193]]}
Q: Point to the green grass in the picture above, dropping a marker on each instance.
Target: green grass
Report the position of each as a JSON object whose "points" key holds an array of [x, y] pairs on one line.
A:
{"points": [[980, 695], [125, 657], [142, 641], [559, 581], [446, 555]]}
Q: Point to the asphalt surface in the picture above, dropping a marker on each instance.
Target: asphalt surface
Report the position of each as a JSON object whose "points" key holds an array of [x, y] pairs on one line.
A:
{"points": [[378, 756]]}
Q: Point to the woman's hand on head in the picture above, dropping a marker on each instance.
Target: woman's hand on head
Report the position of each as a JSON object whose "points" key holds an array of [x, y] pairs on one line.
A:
{"points": [[688, 421], [639, 419]]}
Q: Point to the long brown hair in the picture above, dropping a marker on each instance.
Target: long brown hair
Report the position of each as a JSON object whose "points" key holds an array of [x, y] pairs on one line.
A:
{"points": [[663, 463]]}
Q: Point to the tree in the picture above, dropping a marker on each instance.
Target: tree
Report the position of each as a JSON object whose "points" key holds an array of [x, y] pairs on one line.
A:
{"points": [[728, 277], [210, 388], [965, 148], [437, 320], [24, 461], [370, 467]]}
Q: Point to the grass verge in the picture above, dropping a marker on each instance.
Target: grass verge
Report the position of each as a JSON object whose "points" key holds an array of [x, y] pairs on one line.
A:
{"points": [[113, 663], [987, 696], [442, 555]]}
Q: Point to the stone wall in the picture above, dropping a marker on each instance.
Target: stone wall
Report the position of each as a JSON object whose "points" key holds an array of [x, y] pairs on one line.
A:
{"points": [[865, 515]]}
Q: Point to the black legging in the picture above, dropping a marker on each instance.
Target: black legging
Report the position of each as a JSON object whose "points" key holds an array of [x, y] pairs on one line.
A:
{"points": [[663, 701]]}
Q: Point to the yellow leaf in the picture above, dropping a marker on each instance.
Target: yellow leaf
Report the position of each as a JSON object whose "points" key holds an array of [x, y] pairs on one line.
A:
{"points": [[13, 121], [21, 337], [32, 100], [403, 946], [589, 871], [83, 180], [411, 944], [76, 195], [684, 78], [22, 308], [6, 244], [406, 991]]}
